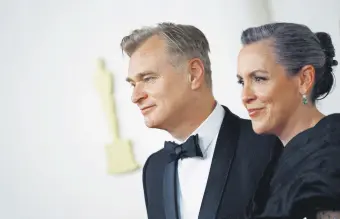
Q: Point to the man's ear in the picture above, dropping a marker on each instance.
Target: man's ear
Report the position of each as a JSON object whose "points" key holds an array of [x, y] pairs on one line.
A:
{"points": [[306, 79], [196, 73]]}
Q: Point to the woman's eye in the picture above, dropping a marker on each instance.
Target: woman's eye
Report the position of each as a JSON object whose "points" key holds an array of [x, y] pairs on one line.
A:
{"points": [[259, 79], [240, 82]]}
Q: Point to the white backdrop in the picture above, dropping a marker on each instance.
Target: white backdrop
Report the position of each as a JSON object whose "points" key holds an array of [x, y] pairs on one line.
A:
{"points": [[53, 131]]}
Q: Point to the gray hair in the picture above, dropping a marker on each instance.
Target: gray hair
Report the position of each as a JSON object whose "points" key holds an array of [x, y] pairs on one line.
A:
{"points": [[183, 42], [296, 46]]}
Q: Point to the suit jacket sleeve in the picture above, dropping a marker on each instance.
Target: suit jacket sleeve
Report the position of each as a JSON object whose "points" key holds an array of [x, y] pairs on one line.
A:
{"points": [[145, 184]]}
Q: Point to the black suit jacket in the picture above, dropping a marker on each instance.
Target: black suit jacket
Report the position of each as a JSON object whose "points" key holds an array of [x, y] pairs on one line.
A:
{"points": [[239, 160]]}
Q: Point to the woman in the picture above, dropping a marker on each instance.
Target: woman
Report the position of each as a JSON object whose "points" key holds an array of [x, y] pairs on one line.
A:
{"points": [[284, 69]]}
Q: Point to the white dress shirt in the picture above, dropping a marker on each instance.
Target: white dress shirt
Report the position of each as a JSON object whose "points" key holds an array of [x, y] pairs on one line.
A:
{"points": [[193, 172]]}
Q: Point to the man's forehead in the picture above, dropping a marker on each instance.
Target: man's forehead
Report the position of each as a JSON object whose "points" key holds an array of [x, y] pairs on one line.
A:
{"points": [[147, 51], [142, 63], [148, 56], [152, 43], [145, 62]]}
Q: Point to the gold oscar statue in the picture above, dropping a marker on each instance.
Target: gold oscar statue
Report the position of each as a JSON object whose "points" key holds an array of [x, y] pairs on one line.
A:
{"points": [[119, 154]]}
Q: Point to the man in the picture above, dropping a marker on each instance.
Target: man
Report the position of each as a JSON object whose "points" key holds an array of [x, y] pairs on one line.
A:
{"points": [[211, 168]]}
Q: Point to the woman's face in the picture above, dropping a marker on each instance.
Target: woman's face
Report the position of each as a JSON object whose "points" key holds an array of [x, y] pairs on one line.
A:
{"points": [[268, 93]]}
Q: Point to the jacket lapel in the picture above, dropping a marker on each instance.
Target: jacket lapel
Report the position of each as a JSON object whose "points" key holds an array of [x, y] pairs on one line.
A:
{"points": [[170, 191], [221, 163]]}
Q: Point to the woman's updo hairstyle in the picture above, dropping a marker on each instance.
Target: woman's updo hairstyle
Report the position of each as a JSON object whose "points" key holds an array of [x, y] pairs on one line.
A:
{"points": [[296, 46]]}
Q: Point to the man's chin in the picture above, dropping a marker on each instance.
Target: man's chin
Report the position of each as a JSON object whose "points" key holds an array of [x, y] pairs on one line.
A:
{"points": [[150, 123], [153, 123]]}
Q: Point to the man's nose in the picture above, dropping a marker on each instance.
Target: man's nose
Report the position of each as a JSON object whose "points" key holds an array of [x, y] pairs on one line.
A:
{"points": [[138, 94]]}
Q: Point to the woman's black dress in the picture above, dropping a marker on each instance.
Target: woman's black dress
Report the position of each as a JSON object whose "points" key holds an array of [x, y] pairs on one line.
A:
{"points": [[305, 178]]}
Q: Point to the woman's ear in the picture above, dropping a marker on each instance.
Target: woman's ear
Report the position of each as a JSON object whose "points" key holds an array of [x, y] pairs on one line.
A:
{"points": [[306, 79]]}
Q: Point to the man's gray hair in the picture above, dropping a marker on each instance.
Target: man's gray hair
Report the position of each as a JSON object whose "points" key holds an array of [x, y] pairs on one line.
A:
{"points": [[296, 46], [184, 42]]}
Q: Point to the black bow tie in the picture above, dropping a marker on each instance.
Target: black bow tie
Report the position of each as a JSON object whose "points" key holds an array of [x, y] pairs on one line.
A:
{"points": [[190, 148]]}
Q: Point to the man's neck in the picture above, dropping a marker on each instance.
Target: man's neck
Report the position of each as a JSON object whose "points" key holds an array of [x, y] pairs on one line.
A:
{"points": [[198, 114]]}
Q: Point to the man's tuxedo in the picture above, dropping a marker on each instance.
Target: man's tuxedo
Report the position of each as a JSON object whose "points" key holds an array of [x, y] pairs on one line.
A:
{"points": [[239, 160]]}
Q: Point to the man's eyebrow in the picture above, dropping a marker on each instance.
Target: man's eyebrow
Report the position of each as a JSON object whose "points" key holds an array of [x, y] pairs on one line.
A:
{"points": [[129, 80], [140, 75]]}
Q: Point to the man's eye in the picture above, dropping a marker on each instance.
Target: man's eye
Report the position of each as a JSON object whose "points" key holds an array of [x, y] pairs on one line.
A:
{"points": [[148, 79], [132, 84]]}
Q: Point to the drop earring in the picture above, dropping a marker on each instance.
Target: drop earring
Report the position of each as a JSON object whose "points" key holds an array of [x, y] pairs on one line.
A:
{"points": [[304, 99]]}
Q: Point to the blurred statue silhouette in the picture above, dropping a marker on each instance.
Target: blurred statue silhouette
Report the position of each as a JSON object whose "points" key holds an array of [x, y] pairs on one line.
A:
{"points": [[120, 158]]}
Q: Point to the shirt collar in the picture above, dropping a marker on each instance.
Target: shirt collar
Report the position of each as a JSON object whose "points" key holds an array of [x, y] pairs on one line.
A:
{"points": [[209, 129]]}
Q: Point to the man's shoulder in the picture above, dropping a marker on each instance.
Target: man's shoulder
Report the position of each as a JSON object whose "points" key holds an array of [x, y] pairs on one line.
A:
{"points": [[245, 126], [156, 155], [156, 159], [247, 133]]}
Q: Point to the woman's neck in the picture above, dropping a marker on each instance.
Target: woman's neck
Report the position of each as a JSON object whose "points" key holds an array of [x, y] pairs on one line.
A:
{"points": [[300, 121]]}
